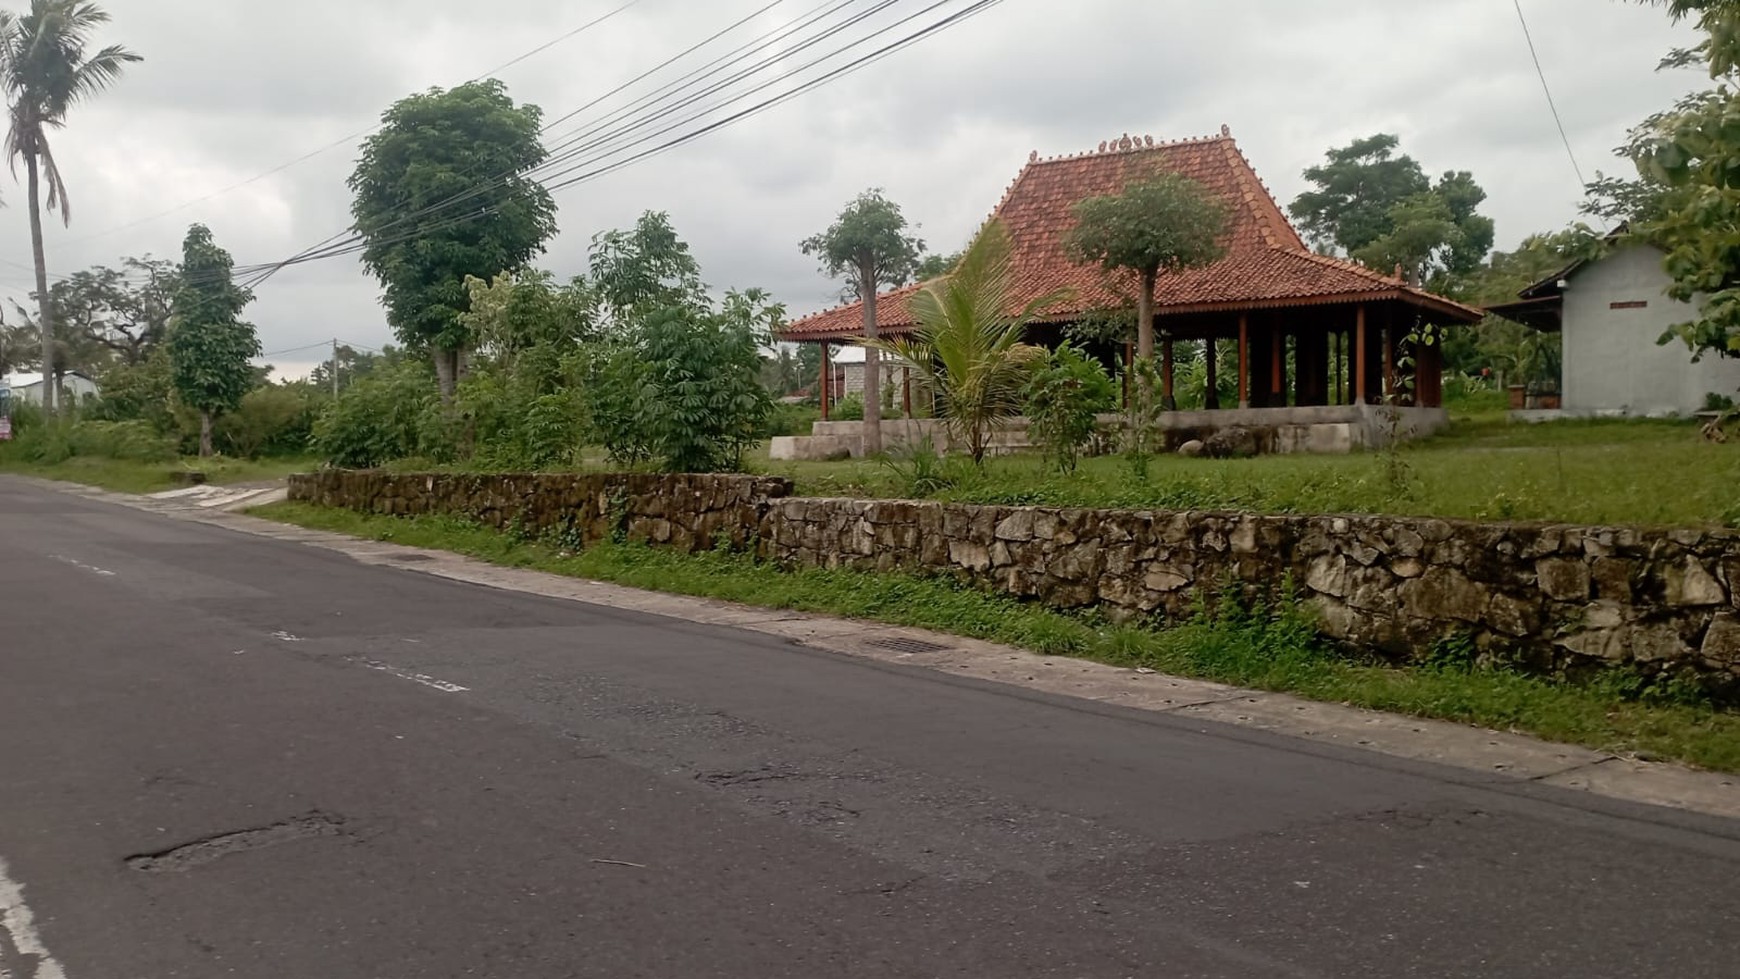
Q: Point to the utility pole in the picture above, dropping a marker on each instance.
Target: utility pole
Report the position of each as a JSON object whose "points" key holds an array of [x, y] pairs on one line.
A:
{"points": [[335, 368]]}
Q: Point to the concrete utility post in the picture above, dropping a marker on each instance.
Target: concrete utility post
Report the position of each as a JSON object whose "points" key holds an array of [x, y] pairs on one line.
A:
{"points": [[335, 367]]}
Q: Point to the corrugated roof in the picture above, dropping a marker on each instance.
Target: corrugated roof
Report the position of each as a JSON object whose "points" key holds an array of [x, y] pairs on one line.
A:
{"points": [[1266, 264]]}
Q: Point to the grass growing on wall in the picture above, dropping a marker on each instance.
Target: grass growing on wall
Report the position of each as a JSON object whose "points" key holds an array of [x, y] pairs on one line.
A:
{"points": [[1269, 649], [1658, 473]]}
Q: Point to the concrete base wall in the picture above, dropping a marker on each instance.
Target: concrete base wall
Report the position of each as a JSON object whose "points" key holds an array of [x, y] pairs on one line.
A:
{"points": [[1316, 429]]}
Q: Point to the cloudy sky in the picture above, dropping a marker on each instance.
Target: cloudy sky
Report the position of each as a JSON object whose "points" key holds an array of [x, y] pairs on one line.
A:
{"points": [[231, 90]]}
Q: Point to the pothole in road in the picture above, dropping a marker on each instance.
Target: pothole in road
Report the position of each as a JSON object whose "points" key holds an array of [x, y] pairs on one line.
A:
{"points": [[204, 851]]}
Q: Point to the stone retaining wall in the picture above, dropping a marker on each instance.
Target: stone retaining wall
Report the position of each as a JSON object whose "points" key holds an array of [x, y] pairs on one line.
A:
{"points": [[687, 512], [1563, 596]]}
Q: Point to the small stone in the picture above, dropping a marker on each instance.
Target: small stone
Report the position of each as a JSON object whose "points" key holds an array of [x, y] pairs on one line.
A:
{"points": [[1018, 526], [1721, 647], [1327, 575], [1408, 567]]}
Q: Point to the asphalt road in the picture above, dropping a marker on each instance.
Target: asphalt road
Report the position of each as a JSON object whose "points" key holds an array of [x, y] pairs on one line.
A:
{"points": [[222, 755]]}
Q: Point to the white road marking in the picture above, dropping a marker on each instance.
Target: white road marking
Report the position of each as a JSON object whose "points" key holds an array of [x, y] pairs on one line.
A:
{"points": [[427, 681], [18, 923], [283, 636], [83, 566]]}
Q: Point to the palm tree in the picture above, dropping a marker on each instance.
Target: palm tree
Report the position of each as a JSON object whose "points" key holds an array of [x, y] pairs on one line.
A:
{"points": [[45, 72], [969, 342]]}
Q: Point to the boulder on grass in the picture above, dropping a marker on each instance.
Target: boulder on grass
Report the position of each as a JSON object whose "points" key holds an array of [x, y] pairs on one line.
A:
{"points": [[1192, 448], [1236, 442]]}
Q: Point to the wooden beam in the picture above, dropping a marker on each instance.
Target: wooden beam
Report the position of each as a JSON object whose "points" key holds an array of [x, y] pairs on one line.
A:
{"points": [[1244, 360], [827, 380], [1359, 345], [1211, 399]]}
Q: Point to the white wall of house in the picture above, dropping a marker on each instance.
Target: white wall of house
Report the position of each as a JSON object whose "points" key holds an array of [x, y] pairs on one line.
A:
{"points": [[27, 388], [1612, 362]]}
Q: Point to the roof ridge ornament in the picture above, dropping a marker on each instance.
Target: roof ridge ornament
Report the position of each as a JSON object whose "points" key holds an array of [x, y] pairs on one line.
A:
{"points": [[1225, 131]]}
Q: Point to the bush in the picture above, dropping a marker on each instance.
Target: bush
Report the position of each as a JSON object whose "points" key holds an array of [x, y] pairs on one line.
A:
{"points": [[52, 442], [527, 416], [390, 414], [787, 419], [848, 409], [1066, 393], [274, 420]]}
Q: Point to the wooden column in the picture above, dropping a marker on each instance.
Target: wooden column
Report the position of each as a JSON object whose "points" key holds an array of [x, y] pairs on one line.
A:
{"points": [[1277, 366], [827, 381], [1359, 345], [1211, 374], [1244, 360], [1166, 401]]}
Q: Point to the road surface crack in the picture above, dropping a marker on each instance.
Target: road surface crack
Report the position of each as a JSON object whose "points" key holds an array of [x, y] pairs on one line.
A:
{"points": [[187, 856]]}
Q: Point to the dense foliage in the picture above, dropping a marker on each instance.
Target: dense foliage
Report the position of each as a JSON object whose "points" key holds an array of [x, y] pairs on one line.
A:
{"points": [[210, 347], [1066, 393]]}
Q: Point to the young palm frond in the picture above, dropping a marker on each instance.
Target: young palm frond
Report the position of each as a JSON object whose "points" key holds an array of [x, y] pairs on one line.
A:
{"points": [[969, 341]]}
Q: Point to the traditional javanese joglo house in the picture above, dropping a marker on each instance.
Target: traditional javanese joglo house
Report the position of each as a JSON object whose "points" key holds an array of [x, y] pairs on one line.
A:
{"points": [[1323, 359]]}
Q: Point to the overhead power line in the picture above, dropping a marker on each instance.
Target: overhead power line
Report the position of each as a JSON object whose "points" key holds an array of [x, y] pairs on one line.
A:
{"points": [[345, 140], [1552, 103]]}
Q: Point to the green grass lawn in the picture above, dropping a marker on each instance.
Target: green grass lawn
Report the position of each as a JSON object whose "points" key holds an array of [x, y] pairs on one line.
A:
{"points": [[130, 476], [1277, 650], [1630, 472]]}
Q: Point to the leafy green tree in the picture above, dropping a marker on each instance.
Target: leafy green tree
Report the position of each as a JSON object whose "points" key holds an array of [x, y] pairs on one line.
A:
{"points": [[1381, 209], [936, 265], [144, 391], [1065, 395], [209, 345], [126, 310], [443, 191], [646, 266], [869, 245], [970, 345], [1692, 152], [1164, 224], [704, 401], [45, 70]]}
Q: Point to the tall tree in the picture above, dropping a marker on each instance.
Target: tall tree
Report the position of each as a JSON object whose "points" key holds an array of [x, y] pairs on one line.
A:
{"points": [[1692, 151], [1381, 209], [1166, 223], [869, 244], [443, 191], [209, 345], [45, 71]]}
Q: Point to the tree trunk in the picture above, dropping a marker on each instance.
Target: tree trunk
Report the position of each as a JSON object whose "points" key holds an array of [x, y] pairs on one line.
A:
{"points": [[1145, 335], [872, 369], [44, 313], [446, 373], [205, 435]]}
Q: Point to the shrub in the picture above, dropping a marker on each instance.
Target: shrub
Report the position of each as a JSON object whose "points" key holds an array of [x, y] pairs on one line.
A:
{"points": [[848, 409], [274, 420], [1065, 394], [789, 419], [390, 414], [52, 442]]}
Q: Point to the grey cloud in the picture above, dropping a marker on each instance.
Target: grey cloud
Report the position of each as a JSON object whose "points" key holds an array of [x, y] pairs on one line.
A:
{"points": [[234, 88]]}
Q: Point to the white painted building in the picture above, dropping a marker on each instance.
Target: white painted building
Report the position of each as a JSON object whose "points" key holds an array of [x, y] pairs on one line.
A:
{"points": [[27, 388], [1611, 311]]}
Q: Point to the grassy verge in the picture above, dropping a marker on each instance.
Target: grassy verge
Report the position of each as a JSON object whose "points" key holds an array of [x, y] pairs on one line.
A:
{"points": [[132, 476], [1598, 472], [1268, 650]]}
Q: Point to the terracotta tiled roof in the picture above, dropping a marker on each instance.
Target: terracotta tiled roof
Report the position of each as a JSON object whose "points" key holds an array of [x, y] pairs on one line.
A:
{"points": [[1267, 265]]}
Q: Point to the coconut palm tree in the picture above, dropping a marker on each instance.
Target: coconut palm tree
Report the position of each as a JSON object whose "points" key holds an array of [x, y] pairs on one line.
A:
{"points": [[969, 342], [45, 71]]}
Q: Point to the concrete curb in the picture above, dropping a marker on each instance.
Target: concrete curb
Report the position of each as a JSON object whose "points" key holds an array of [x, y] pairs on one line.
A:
{"points": [[1501, 756]]}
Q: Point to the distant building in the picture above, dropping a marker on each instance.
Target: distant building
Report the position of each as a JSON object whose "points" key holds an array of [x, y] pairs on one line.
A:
{"points": [[27, 388], [1610, 312]]}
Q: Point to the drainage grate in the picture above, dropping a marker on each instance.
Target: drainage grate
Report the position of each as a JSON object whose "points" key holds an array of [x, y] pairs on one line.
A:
{"points": [[903, 645]]}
